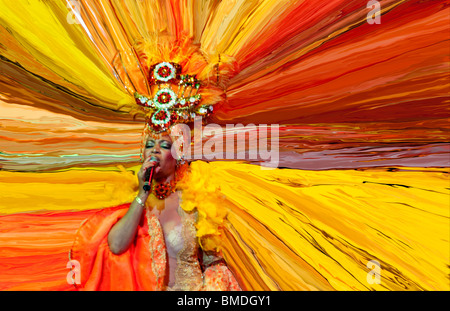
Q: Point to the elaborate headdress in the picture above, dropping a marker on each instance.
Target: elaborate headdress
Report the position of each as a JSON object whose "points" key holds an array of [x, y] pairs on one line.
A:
{"points": [[175, 97], [177, 81]]}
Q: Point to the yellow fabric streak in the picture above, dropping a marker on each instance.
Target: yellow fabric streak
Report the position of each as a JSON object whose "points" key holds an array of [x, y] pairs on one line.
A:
{"points": [[335, 222], [235, 22], [44, 33], [82, 189]]}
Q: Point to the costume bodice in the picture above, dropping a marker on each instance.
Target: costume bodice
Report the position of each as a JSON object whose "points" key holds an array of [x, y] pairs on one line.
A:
{"points": [[181, 240]]}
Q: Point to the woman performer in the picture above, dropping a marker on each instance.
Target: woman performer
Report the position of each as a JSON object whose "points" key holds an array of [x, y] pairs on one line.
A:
{"points": [[154, 242]]}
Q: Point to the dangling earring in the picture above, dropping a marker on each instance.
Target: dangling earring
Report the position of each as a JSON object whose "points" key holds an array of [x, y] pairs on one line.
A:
{"points": [[180, 168], [181, 160]]}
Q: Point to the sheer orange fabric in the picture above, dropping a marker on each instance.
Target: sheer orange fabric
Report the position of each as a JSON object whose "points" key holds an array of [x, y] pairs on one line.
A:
{"points": [[102, 270]]}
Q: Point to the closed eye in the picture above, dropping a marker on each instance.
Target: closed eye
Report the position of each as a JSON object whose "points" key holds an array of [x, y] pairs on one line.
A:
{"points": [[165, 145]]}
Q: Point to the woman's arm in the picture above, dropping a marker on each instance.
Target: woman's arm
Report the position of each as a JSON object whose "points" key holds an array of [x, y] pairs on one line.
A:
{"points": [[123, 232]]}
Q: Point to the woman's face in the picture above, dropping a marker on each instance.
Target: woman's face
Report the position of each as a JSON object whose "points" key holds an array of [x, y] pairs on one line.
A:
{"points": [[161, 149]]}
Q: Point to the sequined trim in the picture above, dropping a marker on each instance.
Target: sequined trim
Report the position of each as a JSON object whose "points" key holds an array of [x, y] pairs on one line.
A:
{"points": [[157, 250]]}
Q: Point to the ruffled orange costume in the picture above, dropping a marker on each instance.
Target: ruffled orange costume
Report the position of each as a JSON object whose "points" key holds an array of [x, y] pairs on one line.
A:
{"points": [[143, 266]]}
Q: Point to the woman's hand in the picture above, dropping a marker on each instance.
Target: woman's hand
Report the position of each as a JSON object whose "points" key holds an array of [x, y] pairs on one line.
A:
{"points": [[148, 163]]}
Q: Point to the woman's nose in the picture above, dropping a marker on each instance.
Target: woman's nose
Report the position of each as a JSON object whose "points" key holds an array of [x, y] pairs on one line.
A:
{"points": [[155, 149]]}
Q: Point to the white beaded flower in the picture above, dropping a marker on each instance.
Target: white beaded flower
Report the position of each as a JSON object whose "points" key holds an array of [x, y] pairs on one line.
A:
{"points": [[165, 98], [164, 71]]}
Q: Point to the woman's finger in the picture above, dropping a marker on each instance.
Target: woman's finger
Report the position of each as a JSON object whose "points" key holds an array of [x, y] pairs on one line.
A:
{"points": [[146, 166]]}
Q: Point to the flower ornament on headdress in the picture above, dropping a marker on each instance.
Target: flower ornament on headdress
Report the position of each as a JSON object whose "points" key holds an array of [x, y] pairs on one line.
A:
{"points": [[175, 97]]}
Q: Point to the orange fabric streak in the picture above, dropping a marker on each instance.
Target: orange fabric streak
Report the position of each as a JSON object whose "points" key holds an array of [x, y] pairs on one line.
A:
{"points": [[35, 248], [363, 67], [309, 19]]}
